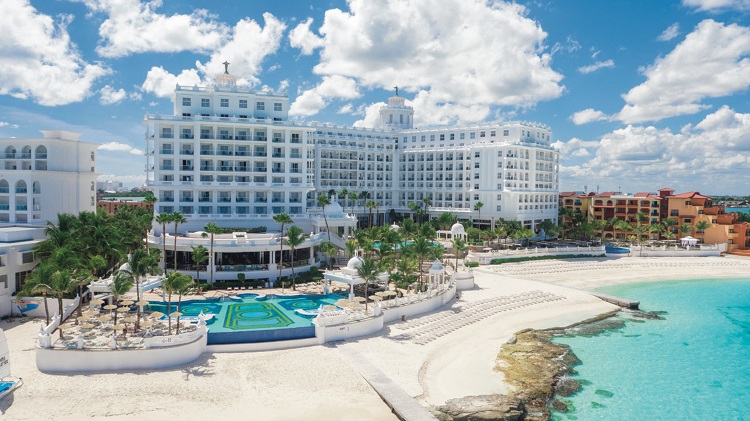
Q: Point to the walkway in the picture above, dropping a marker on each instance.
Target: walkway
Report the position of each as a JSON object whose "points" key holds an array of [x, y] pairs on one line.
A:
{"points": [[428, 328], [403, 405]]}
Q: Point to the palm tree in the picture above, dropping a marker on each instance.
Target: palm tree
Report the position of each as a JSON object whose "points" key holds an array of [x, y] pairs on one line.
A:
{"points": [[427, 202], [294, 237], [324, 201], [177, 218], [639, 231], [200, 255], [702, 226], [210, 230], [478, 207], [459, 246], [623, 226], [641, 218], [370, 204], [174, 283], [330, 251], [344, 193], [669, 224], [686, 228], [121, 284], [421, 248], [416, 210], [142, 263], [599, 225], [353, 197], [368, 271], [36, 283], [164, 219], [549, 228], [364, 195], [282, 218], [185, 285]]}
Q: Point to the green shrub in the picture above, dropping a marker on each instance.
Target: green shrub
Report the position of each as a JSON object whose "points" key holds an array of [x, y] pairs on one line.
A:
{"points": [[472, 264]]}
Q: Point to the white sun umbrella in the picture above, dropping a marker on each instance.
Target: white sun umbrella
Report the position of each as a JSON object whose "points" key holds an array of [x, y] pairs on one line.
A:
{"points": [[360, 299], [87, 326], [156, 315], [123, 309], [127, 303], [175, 314], [131, 319], [110, 307], [97, 302], [376, 297], [142, 303]]}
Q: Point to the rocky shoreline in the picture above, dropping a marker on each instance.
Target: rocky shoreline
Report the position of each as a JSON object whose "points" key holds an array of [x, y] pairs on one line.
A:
{"points": [[537, 368]]}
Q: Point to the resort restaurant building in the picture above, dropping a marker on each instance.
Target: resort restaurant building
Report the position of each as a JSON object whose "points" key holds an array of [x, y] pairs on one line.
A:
{"points": [[230, 155]]}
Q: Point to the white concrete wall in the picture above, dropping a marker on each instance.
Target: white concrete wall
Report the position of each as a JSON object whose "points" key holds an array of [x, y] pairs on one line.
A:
{"points": [[350, 330], [75, 360], [487, 257], [264, 346]]}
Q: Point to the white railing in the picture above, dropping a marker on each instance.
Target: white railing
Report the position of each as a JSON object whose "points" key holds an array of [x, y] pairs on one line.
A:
{"points": [[484, 258], [174, 340], [234, 242]]}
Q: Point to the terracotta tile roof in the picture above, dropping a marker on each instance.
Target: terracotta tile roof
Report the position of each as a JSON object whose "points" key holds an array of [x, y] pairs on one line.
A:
{"points": [[691, 195]]}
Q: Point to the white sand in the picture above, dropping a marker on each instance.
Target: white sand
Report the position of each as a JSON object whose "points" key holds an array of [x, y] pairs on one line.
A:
{"points": [[316, 383]]}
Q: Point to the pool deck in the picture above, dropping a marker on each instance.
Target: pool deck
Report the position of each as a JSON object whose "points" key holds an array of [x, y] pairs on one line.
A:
{"points": [[403, 405]]}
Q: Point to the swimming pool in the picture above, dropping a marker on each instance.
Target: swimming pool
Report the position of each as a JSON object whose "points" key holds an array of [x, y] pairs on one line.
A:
{"points": [[248, 318]]}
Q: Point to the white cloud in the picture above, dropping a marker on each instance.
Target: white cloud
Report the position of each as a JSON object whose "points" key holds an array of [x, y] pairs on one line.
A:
{"points": [[346, 109], [6, 124], [248, 45], [444, 50], [135, 96], [718, 5], [596, 66], [711, 62], [697, 156], [587, 116], [371, 115], [119, 147], [38, 59], [570, 45], [135, 27], [575, 147], [162, 83], [126, 180], [315, 99], [670, 33], [111, 96], [301, 37]]}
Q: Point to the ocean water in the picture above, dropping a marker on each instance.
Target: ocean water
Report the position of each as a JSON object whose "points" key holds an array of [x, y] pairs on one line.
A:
{"points": [[693, 365], [745, 210]]}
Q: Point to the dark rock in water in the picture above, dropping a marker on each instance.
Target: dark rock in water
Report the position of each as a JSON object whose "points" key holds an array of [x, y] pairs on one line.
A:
{"points": [[597, 405], [484, 407], [605, 393], [558, 405], [650, 315], [567, 387], [583, 382]]}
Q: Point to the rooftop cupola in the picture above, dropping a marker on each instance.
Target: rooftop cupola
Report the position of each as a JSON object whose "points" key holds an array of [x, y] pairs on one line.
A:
{"points": [[396, 115], [225, 80]]}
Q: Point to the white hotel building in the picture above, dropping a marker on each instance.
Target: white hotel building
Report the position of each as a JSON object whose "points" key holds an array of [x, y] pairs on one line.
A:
{"points": [[231, 155]]}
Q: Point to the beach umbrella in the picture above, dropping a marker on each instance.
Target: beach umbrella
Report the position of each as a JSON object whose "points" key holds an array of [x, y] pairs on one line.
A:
{"points": [[360, 299], [110, 307], [123, 309], [381, 293], [105, 318], [142, 303], [91, 313], [175, 314], [156, 315], [376, 297], [131, 319], [82, 318], [127, 303], [146, 324], [66, 326], [87, 326], [118, 327], [97, 302], [391, 293], [329, 307]]}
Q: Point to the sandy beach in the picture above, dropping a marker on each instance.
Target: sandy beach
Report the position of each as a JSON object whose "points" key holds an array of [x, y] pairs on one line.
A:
{"points": [[428, 361]]}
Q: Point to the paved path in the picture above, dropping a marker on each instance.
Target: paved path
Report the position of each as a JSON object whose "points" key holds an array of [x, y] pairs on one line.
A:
{"points": [[403, 405]]}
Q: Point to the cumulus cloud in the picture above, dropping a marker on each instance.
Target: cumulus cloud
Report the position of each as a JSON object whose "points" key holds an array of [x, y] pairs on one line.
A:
{"points": [[126, 180], [587, 116], [711, 62], [245, 49], [119, 147], [708, 150], [301, 37], [162, 83], [596, 66], [6, 124], [135, 27], [38, 59], [670, 33], [332, 87], [575, 147], [109, 95], [445, 51], [718, 5]]}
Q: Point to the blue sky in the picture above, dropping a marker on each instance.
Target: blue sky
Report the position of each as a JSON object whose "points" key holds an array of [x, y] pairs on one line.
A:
{"points": [[639, 94]]}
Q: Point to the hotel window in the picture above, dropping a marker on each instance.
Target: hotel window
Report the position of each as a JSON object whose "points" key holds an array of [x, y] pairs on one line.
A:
{"points": [[500, 155], [243, 103], [423, 138], [472, 135], [277, 106], [462, 136], [205, 102], [224, 102], [481, 134], [476, 154], [506, 132], [442, 138], [492, 133], [476, 165], [185, 102], [453, 136], [413, 138], [260, 106], [432, 138]]}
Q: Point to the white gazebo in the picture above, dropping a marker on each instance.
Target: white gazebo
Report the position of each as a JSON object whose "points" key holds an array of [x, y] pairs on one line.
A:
{"points": [[437, 274], [348, 275], [688, 241], [456, 231]]}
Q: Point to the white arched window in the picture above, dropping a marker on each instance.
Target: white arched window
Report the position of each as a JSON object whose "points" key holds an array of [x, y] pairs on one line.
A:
{"points": [[26, 152], [4, 187], [10, 152], [21, 186], [41, 152]]}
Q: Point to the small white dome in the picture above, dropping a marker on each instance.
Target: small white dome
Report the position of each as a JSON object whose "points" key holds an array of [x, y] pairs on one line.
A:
{"points": [[436, 265], [125, 267], [334, 208], [457, 228], [395, 227], [354, 263]]}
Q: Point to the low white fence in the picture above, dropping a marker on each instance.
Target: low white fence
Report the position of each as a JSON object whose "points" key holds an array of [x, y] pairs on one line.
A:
{"points": [[173, 340], [485, 258], [704, 250]]}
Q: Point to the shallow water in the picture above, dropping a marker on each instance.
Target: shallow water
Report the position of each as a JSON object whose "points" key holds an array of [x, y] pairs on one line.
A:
{"points": [[693, 365]]}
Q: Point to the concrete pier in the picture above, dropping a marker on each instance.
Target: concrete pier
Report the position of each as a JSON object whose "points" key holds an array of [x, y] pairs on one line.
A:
{"points": [[622, 302]]}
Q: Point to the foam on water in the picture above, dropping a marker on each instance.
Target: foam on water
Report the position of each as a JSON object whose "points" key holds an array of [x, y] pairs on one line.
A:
{"points": [[694, 365]]}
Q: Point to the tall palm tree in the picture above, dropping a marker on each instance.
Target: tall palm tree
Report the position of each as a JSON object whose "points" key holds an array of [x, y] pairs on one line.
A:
{"points": [[353, 197], [294, 238], [282, 218], [324, 201], [344, 193], [686, 228], [427, 202], [121, 284], [420, 248], [416, 210], [329, 250], [210, 230], [478, 207], [174, 283], [370, 204], [640, 231], [199, 255], [164, 219], [669, 224], [177, 219], [702, 226], [142, 263], [364, 195], [623, 226], [184, 286], [368, 271], [459, 246], [36, 283]]}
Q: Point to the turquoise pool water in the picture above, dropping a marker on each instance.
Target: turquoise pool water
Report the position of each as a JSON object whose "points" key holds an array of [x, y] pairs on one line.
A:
{"points": [[694, 365], [251, 312]]}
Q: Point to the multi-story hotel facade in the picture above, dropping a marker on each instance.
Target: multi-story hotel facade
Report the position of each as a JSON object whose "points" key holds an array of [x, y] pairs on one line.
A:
{"points": [[230, 155]]}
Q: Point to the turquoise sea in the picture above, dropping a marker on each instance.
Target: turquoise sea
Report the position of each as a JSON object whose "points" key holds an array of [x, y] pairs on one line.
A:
{"points": [[745, 210], [693, 365]]}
